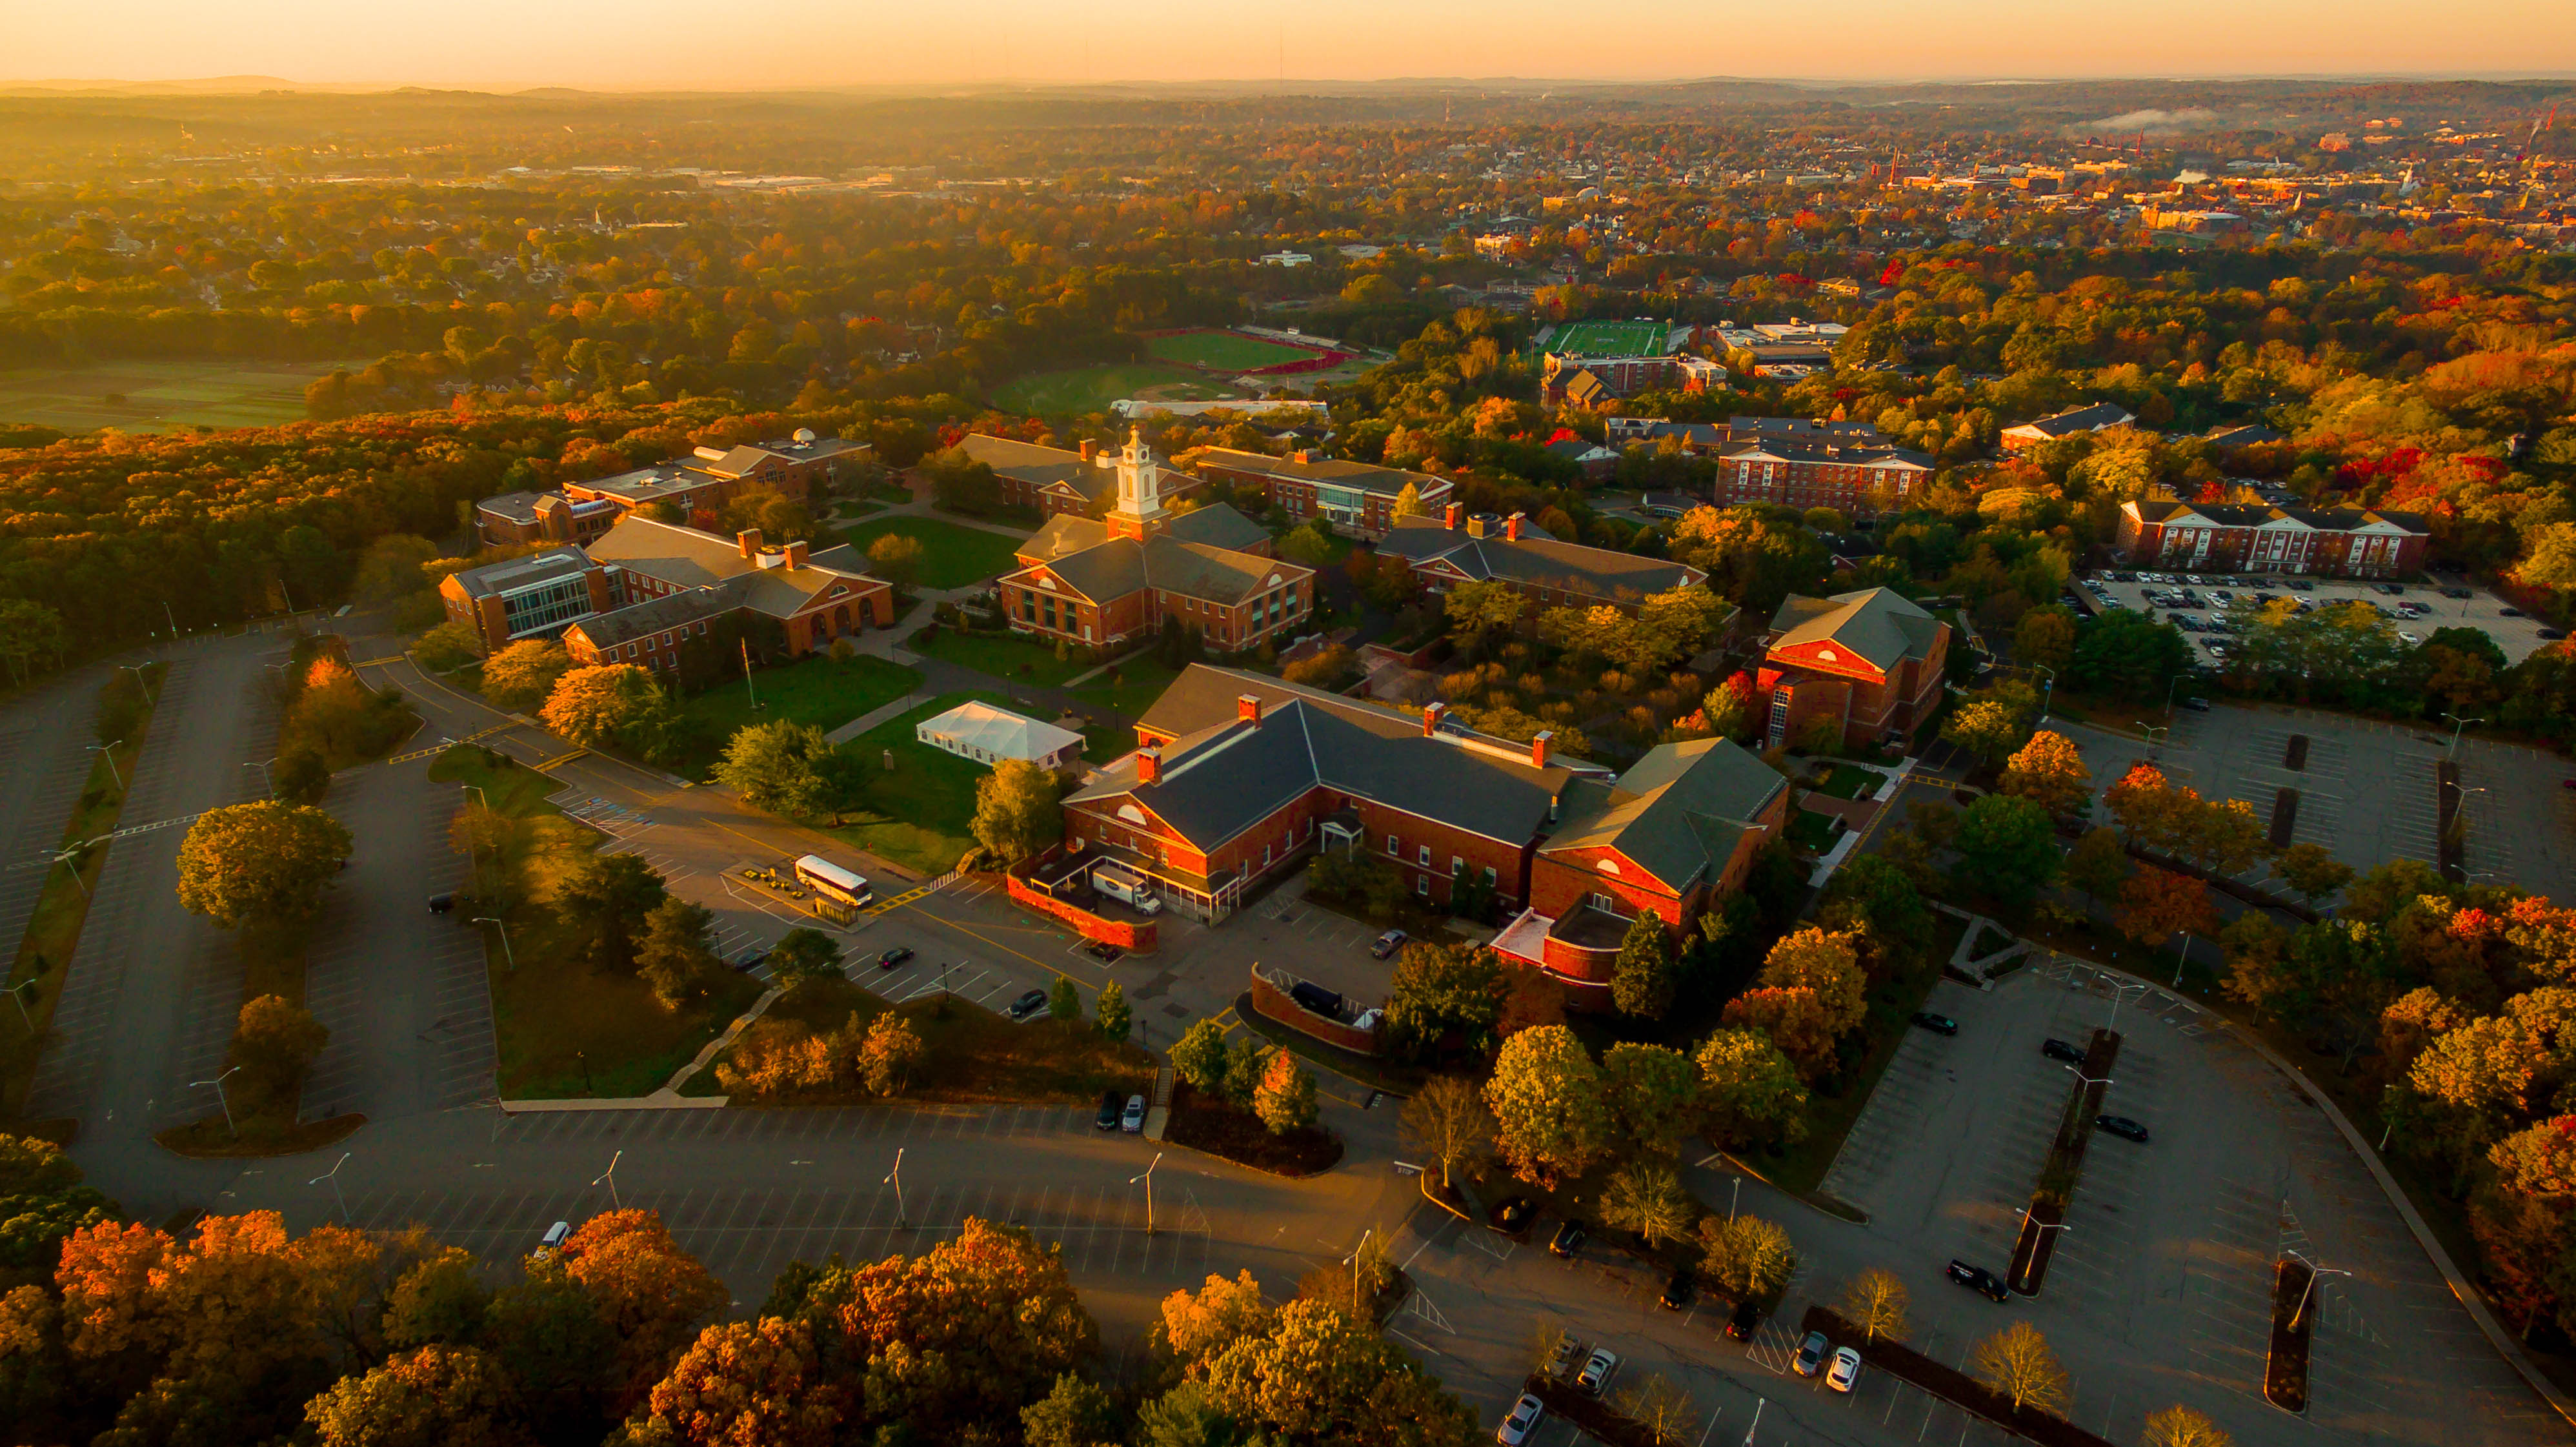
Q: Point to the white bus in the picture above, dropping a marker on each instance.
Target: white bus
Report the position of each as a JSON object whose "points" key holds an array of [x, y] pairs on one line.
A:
{"points": [[834, 886]]}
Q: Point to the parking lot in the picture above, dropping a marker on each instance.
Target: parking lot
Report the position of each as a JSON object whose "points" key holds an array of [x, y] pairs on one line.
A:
{"points": [[2204, 597]]}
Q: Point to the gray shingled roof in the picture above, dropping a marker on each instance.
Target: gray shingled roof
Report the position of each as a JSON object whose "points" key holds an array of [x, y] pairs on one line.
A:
{"points": [[1365, 476], [1222, 775], [686, 558], [1217, 525], [1679, 811], [1536, 559], [1121, 566], [675, 610], [1038, 466], [1880, 626]]}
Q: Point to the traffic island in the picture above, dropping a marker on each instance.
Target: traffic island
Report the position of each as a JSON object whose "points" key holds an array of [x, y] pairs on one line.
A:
{"points": [[1947, 1383], [2285, 1369], [2040, 1225]]}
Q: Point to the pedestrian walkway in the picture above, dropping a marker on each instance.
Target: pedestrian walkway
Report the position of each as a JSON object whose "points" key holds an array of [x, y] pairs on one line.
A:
{"points": [[888, 714]]}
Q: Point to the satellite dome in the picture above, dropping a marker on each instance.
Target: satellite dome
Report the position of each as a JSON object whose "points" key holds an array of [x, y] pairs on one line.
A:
{"points": [[804, 434]]}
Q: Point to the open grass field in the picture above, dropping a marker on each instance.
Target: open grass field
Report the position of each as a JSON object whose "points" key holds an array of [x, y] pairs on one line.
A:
{"points": [[1006, 656], [1225, 351], [817, 691], [1608, 339], [952, 555], [159, 396], [920, 812], [1079, 391]]}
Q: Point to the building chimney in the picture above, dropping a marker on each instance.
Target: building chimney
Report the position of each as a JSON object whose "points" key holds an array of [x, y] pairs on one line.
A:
{"points": [[1302, 456], [749, 541], [1457, 514], [1512, 525], [1090, 449], [1432, 713], [1538, 748], [1149, 765], [796, 554], [1247, 708]]}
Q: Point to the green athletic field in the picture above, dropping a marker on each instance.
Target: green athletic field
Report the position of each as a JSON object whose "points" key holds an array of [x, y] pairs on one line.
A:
{"points": [[159, 396], [1079, 391], [1224, 351], [1608, 339]]}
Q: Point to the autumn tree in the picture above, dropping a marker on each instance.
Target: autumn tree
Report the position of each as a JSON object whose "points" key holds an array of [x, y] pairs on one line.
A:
{"points": [[1317, 1377], [651, 1296], [275, 1041], [1826, 964], [2045, 636], [2180, 1426], [1988, 728], [519, 677], [750, 1384], [2311, 871], [2049, 771], [2257, 969], [2098, 865], [1875, 1301], [1793, 1021], [1749, 1092], [607, 897], [1663, 1411], [594, 707], [1551, 1119], [674, 957], [433, 1396], [777, 767], [2017, 1362], [1016, 810], [1199, 1056], [263, 862], [1112, 1015], [891, 1055], [1437, 989], [802, 954], [1285, 1099], [1647, 1198], [1651, 1092], [2007, 847], [2157, 904], [1481, 613], [1074, 1413], [897, 559], [1447, 1120], [1746, 1256]]}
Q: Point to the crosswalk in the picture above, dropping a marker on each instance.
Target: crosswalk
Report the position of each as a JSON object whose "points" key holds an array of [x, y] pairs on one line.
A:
{"points": [[443, 745]]}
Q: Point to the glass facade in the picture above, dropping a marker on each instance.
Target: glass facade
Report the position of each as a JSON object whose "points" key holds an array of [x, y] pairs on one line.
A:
{"points": [[547, 606]]}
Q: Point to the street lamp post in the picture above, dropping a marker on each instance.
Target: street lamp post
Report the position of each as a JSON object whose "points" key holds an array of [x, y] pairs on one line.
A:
{"points": [[2169, 692], [108, 751], [18, 997], [222, 1099], [895, 1179], [1735, 1196], [2049, 692], [72, 856], [512, 959], [1758, 1404], [333, 1176], [2182, 957], [2314, 1271], [145, 684], [270, 769], [2458, 723], [609, 1178], [2156, 735], [1148, 1179]]}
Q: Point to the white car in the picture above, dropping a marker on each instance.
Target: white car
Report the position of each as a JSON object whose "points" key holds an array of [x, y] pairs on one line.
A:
{"points": [[1845, 1372], [1521, 1422], [2409, 639], [1597, 1371]]}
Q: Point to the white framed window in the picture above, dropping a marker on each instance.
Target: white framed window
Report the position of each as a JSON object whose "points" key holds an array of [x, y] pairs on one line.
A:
{"points": [[1422, 856], [1606, 903], [1394, 847], [1457, 864], [1422, 885], [1490, 876]]}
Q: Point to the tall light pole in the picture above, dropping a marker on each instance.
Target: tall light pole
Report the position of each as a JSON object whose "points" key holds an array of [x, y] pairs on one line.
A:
{"points": [[222, 1099], [895, 1179], [2182, 957], [173, 617], [1735, 1196], [2156, 735], [18, 997], [2049, 693], [506, 955], [1148, 1179], [1758, 1404], [72, 855], [145, 684], [108, 752], [333, 1176], [1355, 1255], [609, 1177], [2314, 1271], [2169, 690], [2458, 723], [268, 769]]}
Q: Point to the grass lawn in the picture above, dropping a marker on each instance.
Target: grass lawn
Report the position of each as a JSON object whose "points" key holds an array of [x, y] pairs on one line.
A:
{"points": [[1842, 781], [816, 690], [1829, 1117], [951, 556], [1225, 351], [917, 813], [1006, 656], [1077, 391], [1813, 831], [507, 786], [160, 396], [1140, 681]]}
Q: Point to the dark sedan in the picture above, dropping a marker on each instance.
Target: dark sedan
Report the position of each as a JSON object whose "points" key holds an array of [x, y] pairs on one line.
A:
{"points": [[893, 957], [1978, 1279], [1678, 1291], [1032, 1003], [1568, 1241], [2123, 1127], [1937, 1024], [1108, 1117], [2060, 1050]]}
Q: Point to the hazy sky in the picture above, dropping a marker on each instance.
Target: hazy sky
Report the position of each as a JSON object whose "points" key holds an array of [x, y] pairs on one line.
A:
{"points": [[766, 44]]}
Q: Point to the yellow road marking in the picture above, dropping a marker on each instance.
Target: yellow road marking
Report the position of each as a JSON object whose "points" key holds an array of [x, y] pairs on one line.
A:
{"points": [[559, 759], [459, 743]]}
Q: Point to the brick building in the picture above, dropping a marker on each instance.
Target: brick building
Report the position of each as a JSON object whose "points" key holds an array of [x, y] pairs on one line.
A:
{"points": [[1871, 661], [1616, 376], [1670, 837], [644, 586], [1851, 478], [698, 485], [1056, 482], [1455, 548], [1098, 584], [1356, 497], [2348, 542], [1238, 774], [2099, 417]]}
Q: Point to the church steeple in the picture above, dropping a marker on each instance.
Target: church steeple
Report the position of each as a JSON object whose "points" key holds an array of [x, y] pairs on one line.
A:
{"points": [[1139, 513]]}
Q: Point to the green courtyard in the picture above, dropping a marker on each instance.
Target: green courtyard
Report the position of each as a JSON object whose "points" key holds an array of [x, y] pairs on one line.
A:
{"points": [[952, 554], [920, 812], [819, 690]]}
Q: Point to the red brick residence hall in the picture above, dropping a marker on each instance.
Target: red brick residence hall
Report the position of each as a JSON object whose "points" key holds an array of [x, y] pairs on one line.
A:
{"points": [[1871, 661], [2346, 542]]}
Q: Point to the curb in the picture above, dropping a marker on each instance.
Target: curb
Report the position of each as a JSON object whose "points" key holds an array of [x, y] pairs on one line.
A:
{"points": [[2452, 1276]]}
